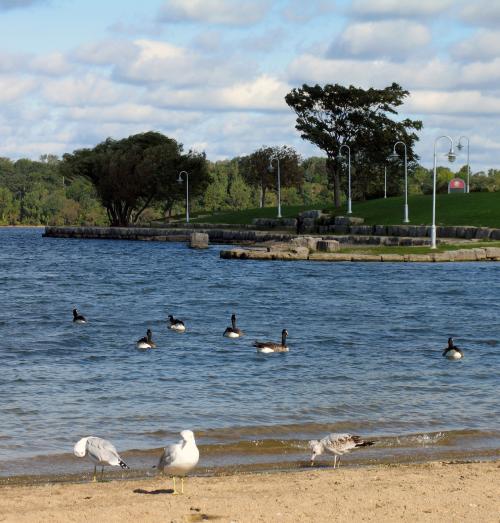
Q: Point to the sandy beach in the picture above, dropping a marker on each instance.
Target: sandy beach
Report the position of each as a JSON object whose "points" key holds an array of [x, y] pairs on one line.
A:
{"points": [[437, 491]]}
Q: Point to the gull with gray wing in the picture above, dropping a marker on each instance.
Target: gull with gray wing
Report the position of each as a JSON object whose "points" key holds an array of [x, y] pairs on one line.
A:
{"points": [[336, 444], [178, 459], [101, 451]]}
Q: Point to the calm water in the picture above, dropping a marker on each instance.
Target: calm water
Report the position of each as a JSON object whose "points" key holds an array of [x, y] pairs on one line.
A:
{"points": [[366, 342]]}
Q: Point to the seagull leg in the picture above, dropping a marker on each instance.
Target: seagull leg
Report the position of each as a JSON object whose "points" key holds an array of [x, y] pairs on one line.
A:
{"points": [[338, 465], [182, 485], [102, 473], [94, 478], [175, 490], [335, 461]]}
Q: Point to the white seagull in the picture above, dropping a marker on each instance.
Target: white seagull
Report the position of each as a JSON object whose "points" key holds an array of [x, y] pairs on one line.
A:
{"points": [[337, 444], [180, 458], [100, 451]]}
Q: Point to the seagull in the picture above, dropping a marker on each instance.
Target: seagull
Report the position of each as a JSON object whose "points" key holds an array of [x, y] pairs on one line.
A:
{"points": [[100, 451], [233, 331], [337, 444], [146, 342], [176, 325], [266, 347], [78, 318], [452, 352], [180, 458]]}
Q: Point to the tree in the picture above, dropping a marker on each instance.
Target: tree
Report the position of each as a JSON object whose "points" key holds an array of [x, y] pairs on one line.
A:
{"points": [[255, 169], [334, 115], [131, 174]]}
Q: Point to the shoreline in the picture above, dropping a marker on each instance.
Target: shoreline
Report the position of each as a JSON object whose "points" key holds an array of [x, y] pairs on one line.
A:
{"points": [[435, 491]]}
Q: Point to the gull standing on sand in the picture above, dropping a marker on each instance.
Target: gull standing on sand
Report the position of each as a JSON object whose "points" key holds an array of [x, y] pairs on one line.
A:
{"points": [[337, 444], [180, 458], [100, 451]]}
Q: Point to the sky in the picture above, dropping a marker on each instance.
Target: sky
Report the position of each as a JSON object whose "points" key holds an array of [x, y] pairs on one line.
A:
{"points": [[213, 74]]}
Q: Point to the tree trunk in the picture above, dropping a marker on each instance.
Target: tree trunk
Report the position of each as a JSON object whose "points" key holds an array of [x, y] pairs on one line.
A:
{"points": [[263, 200], [334, 176], [261, 196]]}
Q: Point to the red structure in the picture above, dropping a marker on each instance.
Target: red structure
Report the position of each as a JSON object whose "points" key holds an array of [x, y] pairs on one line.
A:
{"points": [[456, 185]]}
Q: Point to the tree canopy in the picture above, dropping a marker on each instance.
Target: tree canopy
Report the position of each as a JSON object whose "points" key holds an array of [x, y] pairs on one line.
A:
{"points": [[256, 172], [131, 174], [334, 115]]}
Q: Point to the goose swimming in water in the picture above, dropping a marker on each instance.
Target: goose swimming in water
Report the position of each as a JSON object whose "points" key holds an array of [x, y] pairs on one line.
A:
{"points": [[266, 347], [100, 451], [336, 444], [78, 318], [452, 352], [176, 325], [180, 458], [233, 331], [146, 342]]}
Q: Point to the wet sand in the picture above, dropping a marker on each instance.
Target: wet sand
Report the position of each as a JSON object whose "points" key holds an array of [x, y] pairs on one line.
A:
{"points": [[438, 491]]}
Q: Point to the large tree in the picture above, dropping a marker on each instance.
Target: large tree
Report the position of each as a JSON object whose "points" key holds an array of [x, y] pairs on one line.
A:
{"points": [[256, 171], [334, 115], [133, 173]]}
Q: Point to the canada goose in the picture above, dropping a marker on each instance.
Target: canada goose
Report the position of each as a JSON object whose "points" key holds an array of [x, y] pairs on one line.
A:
{"points": [[336, 444], [233, 331], [100, 451], [78, 318], [176, 325], [452, 352], [269, 346], [146, 342], [178, 459]]}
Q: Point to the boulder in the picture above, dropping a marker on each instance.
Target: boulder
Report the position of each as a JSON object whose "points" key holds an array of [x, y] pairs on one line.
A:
{"points": [[492, 253], [314, 214], [305, 241], [198, 240], [348, 220], [328, 246]]}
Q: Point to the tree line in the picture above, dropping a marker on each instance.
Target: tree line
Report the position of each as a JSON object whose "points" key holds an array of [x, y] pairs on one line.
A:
{"points": [[135, 180]]}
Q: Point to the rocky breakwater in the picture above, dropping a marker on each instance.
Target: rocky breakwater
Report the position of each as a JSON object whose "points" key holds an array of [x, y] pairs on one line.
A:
{"points": [[317, 249]]}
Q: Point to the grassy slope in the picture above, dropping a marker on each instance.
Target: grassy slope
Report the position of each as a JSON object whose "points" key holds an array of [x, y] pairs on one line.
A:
{"points": [[476, 209]]}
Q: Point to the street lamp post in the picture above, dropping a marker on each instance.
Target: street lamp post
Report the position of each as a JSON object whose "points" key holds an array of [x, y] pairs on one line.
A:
{"points": [[385, 181], [394, 154], [460, 147], [451, 157], [277, 158], [349, 201], [180, 180]]}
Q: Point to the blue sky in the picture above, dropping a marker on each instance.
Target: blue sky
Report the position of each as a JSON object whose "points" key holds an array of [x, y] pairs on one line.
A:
{"points": [[213, 73]]}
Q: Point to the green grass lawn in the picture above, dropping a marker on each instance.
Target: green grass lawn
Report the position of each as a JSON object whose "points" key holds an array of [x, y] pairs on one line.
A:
{"points": [[475, 209]]}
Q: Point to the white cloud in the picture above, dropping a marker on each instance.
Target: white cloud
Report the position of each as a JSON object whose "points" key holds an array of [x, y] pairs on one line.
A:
{"points": [[456, 103], [14, 88], [223, 12], [392, 38], [483, 45], [83, 89], [482, 12], [262, 94], [5, 5], [52, 64], [300, 11], [399, 8]]}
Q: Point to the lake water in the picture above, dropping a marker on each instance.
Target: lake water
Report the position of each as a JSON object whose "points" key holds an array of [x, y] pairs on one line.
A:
{"points": [[365, 355]]}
